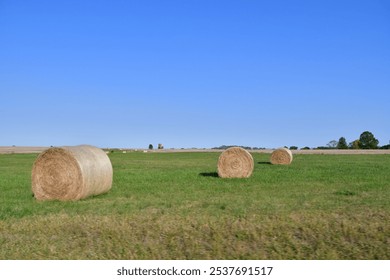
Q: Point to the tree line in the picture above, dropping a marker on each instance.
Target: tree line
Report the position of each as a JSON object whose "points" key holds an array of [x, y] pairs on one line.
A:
{"points": [[366, 140]]}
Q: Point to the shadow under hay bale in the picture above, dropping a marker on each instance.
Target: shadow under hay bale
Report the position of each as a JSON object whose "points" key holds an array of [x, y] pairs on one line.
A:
{"points": [[209, 174], [71, 173]]}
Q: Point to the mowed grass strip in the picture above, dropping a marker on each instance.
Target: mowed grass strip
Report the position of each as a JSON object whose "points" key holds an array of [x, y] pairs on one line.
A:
{"points": [[173, 206]]}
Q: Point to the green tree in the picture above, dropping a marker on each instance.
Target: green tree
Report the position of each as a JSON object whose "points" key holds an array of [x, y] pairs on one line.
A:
{"points": [[150, 147], [368, 141], [354, 145], [342, 144], [332, 144]]}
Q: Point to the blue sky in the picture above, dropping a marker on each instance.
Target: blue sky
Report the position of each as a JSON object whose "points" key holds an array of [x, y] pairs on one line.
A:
{"points": [[193, 73]]}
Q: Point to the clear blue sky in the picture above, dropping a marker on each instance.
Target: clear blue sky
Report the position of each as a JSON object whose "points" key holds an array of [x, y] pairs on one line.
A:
{"points": [[193, 73]]}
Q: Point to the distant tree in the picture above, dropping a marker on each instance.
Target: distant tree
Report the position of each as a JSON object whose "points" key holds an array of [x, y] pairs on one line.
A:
{"points": [[306, 148], [342, 144], [332, 144], [160, 146], [386, 147], [354, 145], [322, 148], [368, 141], [293, 148], [150, 147]]}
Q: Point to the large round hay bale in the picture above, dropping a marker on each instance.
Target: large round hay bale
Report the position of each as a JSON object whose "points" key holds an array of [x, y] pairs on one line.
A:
{"points": [[71, 173], [281, 156], [235, 162]]}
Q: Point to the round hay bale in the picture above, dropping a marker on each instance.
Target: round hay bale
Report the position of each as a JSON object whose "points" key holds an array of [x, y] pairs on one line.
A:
{"points": [[281, 156], [71, 173], [235, 162]]}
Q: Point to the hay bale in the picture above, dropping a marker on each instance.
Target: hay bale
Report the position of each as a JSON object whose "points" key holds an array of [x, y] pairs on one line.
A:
{"points": [[281, 156], [71, 173], [235, 162]]}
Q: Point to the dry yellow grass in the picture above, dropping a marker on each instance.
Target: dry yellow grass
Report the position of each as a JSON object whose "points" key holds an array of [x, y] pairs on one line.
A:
{"points": [[235, 162], [281, 156], [71, 173]]}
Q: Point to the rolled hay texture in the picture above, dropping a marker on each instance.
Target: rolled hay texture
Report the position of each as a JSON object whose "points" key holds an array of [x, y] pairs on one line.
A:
{"points": [[281, 156], [235, 162], [71, 173]]}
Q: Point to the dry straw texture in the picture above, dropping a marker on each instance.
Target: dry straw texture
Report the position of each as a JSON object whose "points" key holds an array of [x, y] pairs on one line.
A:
{"points": [[71, 173], [235, 162], [281, 156]]}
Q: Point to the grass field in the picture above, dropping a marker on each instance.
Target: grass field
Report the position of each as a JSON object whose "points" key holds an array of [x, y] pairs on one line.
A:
{"points": [[173, 206]]}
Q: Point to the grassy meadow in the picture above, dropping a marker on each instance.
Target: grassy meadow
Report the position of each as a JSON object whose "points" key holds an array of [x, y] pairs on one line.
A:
{"points": [[174, 206]]}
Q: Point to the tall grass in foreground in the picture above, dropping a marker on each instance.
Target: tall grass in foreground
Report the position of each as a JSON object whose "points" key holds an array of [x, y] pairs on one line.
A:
{"points": [[173, 206]]}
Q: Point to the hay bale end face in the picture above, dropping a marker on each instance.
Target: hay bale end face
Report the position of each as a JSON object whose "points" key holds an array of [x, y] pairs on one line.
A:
{"points": [[235, 162], [281, 156], [71, 173]]}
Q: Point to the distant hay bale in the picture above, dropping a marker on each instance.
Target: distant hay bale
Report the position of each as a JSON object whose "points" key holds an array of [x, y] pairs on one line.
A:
{"points": [[235, 162], [281, 156], [71, 173]]}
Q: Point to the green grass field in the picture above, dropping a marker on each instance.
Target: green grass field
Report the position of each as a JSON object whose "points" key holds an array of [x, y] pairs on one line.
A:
{"points": [[173, 206]]}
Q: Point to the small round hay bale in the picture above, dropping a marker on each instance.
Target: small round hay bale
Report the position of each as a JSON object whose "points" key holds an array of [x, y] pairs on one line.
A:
{"points": [[71, 173], [281, 156], [235, 162]]}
